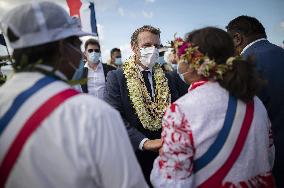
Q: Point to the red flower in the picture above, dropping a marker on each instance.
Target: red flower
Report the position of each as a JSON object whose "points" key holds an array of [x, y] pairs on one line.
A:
{"points": [[179, 39]]}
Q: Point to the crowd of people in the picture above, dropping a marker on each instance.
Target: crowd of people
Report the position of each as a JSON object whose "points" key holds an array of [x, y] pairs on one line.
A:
{"points": [[206, 113]]}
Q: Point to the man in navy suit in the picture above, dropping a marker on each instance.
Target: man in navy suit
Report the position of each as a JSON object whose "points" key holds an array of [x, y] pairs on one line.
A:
{"points": [[250, 40], [141, 79]]}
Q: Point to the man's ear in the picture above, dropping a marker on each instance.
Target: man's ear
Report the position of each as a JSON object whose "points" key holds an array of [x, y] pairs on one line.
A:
{"points": [[238, 39], [134, 49]]}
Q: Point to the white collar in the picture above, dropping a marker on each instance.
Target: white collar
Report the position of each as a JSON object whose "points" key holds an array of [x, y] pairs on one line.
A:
{"points": [[99, 66], [250, 44], [50, 69]]}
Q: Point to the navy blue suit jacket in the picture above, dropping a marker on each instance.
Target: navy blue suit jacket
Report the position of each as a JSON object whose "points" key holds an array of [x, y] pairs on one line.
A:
{"points": [[269, 60], [117, 96], [180, 86]]}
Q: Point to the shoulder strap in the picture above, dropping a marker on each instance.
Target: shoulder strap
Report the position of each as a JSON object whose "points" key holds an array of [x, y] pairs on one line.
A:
{"points": [[215, 180], [21, 98], [217, 145], [33, 122]]}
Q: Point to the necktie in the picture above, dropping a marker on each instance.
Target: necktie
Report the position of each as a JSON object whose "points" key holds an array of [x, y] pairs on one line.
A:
{"points": [[147, 82]]}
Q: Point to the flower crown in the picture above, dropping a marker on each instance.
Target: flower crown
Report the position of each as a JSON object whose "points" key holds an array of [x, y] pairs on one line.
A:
{"points": [[204, 66]]}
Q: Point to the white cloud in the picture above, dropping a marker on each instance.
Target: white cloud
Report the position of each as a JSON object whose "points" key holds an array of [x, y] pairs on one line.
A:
{"points": [[104, 5], [282, 25], [120, 11], [149, 1], [126, 51], [101, 32], [147, 14], [105, 55], [133, 15]]}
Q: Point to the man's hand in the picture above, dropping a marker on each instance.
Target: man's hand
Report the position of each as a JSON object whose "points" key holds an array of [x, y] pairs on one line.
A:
{"points": [[152, 145]]}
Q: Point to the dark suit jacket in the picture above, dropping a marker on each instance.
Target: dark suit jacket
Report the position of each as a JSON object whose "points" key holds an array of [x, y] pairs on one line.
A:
{"points": [[269, 60], [117, 96], [106, 69], [180, 86]]}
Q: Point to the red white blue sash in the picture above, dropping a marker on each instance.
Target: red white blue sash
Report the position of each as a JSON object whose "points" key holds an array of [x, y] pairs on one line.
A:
{"points": [[32, 122], [212, 167]]}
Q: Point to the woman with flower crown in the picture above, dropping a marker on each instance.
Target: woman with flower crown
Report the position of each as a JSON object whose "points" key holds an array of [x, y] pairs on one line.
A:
{"points": [[218, 134]]}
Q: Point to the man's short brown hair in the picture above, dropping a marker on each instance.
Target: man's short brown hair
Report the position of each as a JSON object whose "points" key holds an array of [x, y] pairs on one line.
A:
{"points": [[151, 29], [93, 42]]}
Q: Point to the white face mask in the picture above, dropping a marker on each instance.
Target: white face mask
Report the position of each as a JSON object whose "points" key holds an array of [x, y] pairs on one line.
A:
{"points": [[181, 75], [149, 56], [94, 57]]}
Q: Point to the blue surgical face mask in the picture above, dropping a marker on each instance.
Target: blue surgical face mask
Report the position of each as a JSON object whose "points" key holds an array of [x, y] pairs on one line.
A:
{"points": [[161, 60], [118, 61], [94, 57]]}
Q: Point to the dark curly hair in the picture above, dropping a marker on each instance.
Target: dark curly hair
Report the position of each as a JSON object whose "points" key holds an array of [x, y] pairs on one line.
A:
{"points": [[248, 26]]}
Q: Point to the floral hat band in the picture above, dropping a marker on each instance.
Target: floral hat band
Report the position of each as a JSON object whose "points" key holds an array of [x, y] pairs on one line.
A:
{"points": [[204, 66]]}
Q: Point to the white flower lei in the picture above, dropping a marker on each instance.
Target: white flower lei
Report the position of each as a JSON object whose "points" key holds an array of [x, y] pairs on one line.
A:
{"points": [[149, 112]]}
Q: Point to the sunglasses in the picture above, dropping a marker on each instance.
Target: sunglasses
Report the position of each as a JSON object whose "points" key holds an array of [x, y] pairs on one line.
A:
{"points": [[93, 50]]}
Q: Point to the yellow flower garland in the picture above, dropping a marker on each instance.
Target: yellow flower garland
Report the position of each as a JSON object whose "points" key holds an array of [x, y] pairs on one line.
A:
{"points": [[149, 112]]}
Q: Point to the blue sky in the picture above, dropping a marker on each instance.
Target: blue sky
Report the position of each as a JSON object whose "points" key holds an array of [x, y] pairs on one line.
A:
{"points": [[118, 19]]}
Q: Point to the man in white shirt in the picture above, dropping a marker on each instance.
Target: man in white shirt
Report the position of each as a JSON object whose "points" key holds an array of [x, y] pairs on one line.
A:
{"points": [[50, 135], [94, 70]]}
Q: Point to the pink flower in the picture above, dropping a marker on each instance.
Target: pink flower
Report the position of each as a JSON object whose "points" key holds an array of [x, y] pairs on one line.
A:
{"points": [[182, 49]]}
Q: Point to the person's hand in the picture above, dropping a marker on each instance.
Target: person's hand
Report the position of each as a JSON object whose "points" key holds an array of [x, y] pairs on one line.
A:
{"points": [[152, 145]]}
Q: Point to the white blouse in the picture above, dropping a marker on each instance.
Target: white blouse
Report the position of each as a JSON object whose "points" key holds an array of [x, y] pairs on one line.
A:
{"points": [[191, 125]]}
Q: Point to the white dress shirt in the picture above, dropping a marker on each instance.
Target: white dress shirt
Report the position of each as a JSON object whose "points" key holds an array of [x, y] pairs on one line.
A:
{"points": [[250, 44], [96, 81], [82, 143]]}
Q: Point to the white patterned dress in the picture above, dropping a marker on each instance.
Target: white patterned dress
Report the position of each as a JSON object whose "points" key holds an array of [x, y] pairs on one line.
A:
{"points": [[212, 139]]}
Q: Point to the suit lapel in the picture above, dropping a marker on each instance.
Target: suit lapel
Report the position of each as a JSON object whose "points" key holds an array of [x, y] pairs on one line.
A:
{"points": [[85, 85], [105, 69]]}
